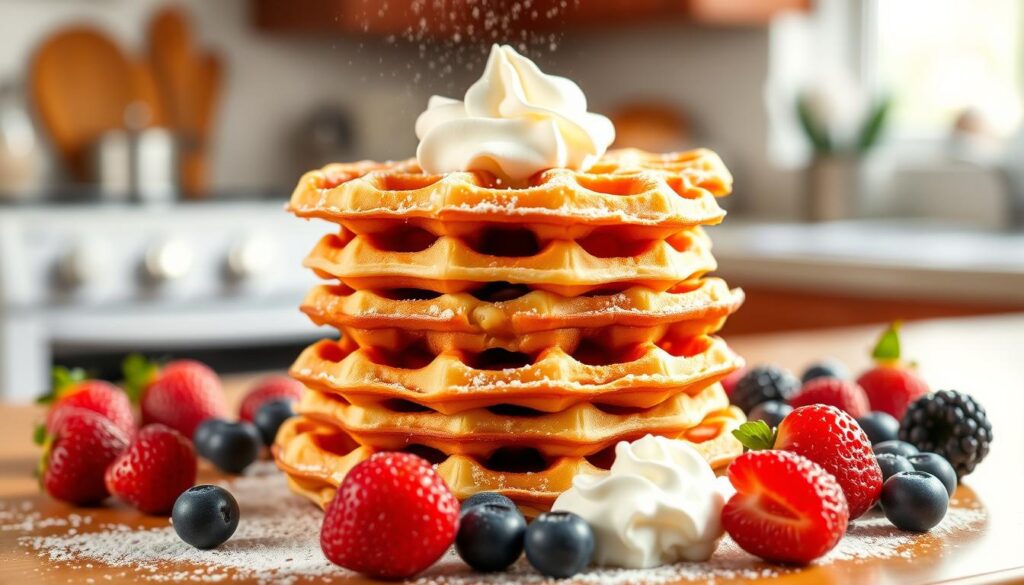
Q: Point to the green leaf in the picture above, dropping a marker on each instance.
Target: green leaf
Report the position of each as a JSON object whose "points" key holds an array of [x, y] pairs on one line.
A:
{"points": [[888, 347], [138, 373], [818, 137], [755, 435], [872, 129], [63, 380], [39, 434]]}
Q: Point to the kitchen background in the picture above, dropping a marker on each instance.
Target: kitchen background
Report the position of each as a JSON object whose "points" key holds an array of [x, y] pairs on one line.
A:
{"points": [[146, 150]]}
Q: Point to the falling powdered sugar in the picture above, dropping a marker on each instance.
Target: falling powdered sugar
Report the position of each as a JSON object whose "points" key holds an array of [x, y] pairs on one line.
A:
{"points": [[278, 541]]}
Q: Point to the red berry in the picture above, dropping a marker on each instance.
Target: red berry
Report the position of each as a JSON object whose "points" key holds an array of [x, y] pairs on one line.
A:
{"points": [[786, 509], [891, 388], [153, 471], [98, 396], [729, 382], [392, 517], [842, 394], [833, 439], [267, 389], [82, 445], [183, 394]]}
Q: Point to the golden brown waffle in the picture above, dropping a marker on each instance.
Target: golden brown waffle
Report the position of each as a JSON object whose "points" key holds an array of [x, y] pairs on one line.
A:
{"points": [[624, 187], [528, 321], [580, 430], [640, 376], [563, 267], [317, 455]]}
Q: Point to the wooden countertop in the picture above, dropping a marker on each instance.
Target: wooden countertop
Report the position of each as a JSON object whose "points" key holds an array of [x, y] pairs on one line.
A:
{"points": [[980, 356]]}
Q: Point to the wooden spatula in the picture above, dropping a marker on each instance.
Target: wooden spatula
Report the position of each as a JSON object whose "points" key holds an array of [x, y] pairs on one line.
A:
{"points": [[81, 84]]}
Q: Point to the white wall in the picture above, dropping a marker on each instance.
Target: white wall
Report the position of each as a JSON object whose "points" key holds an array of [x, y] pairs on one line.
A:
{"points": [[274, 80]]}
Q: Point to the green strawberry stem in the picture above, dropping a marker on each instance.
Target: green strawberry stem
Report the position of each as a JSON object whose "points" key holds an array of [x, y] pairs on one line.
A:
{"points": [[756, 435], [887, 350], [138, 372]]}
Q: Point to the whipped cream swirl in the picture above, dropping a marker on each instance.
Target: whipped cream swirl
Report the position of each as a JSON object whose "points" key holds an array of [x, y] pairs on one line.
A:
{"points": [[660, 504], [515, 121]]}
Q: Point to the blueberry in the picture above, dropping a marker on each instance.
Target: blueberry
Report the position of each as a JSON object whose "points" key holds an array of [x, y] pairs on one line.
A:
{"points": [[936, 465], [203, 433], [896, 447], [879, 427], [559, 544], [271, 416], [914, 500], [230, 446], [771, 412], [892, 464], [205, 516], [829, 368], [480, 498], [490, 536]]}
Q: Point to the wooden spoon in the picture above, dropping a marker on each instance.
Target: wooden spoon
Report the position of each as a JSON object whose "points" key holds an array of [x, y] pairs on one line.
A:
{"points": [[81, 84]]}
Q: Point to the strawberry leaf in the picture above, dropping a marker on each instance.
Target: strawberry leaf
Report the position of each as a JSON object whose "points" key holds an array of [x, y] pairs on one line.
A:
{"points": [[888, 347], [39, 434], [63, 380], [138, 372], [755, 435]]}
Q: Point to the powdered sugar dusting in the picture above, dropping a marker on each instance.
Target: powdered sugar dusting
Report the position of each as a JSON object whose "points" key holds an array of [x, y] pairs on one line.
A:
{"points": [[278, 541]]}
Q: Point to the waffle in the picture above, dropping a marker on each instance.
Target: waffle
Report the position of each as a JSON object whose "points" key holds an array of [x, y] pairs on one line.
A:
{"points": [[316, 455], [626, 187], [528, 321], [640, 376], [580, 430], [564, 267]]}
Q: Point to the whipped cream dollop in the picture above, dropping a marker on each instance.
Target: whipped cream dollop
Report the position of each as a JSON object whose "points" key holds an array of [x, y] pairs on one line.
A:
{"points": [[514, 121], [660, 504]]}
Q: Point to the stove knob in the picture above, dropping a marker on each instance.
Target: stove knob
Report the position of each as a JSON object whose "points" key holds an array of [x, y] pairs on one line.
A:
{"points": [[85, 262], [252, 257], [170, 259]]}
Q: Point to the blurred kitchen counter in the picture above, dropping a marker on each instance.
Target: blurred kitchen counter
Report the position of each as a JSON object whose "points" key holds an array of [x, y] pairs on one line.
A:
{"points": [[800, 276]]}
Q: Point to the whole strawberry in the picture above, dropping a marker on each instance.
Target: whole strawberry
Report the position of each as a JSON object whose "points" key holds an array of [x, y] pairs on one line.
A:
{"points": [[181, 394], [891, 385], [76, 455], [269, 388], [392, 517], [153, 471], [842, 394], [833, 439], [786, 508], [72, 389]]}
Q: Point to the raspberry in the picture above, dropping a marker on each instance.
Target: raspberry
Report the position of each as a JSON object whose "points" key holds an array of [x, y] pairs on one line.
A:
{"points": [[951, 424], [786, 508], [761, 384], [844, 395], [392, 517]]}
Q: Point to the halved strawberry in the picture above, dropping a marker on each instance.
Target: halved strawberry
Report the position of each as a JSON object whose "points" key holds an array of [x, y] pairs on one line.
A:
{"points": [[786, 509]]}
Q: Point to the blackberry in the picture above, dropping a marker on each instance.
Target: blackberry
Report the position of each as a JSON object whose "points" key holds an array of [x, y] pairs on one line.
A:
{"points": [[951, 424], [764, 383]]}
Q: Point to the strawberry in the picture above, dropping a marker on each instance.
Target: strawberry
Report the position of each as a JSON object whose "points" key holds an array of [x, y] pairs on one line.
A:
{"points": [[842, 394], [77, 453], [181, 394], [392, 517], [153, 471], [267, 389], [891, 385], [72, 390], [786, 508], [832, 439]]}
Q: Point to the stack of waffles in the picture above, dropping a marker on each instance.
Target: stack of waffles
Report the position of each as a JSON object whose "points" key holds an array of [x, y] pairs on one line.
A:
{"points": [[512, 336]]}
